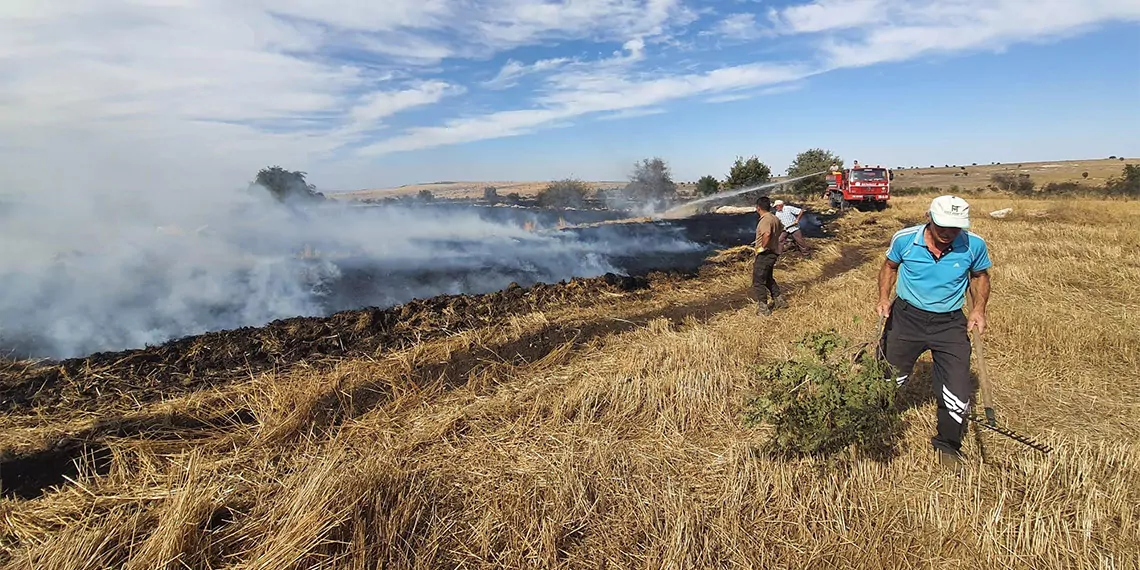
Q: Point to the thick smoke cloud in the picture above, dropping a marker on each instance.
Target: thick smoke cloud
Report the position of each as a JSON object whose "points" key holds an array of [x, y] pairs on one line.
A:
{"points": [[93, 272]]}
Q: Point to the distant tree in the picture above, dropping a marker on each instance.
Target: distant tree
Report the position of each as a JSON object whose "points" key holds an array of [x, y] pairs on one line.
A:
{"points": [[807, 162], [425, 196], [491, 194], [285, 185], [1085, 175], [650, 184], [708, 185], [514, 198], [566, 193], [745, 173], [1113, 157], [974, 164], [1010, 182], [1127, 184], [1121, 159]]}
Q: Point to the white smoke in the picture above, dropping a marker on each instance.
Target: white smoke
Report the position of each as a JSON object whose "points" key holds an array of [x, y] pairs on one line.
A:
{"points": [[91, 272]]}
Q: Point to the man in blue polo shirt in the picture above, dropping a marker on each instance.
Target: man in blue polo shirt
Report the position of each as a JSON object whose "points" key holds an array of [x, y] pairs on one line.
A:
{"points": [[932, 266]]}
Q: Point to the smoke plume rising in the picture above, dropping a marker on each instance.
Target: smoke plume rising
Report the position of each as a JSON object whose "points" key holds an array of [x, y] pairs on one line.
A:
{"points": [[94, 272]]}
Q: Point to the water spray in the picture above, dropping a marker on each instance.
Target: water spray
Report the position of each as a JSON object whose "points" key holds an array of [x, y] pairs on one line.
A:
{"points": [[737, 192]]}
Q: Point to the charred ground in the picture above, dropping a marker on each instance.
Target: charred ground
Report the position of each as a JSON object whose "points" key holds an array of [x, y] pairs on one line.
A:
{"points": [[184, 365]]}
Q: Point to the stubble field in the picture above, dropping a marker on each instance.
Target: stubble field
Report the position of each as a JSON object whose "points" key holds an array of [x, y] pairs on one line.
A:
{"points": [[597, 426]]}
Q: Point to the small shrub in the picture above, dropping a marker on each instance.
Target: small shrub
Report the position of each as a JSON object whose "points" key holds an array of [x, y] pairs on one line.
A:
{"points": [[821, 403], [1061, 188], [567, 193], [491, 194], [1085, 175], [1127, 184], [1009, 182]]}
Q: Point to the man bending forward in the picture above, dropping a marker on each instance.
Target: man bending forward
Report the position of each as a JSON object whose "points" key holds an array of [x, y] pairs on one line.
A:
{"points": [[934, 264]]}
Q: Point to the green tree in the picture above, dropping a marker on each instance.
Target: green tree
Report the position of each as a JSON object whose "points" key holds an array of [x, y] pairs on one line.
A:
{"points": [[650, 184], [707, 185], [425, 196], [566, 193], [746, 173], [514, 198], [285, 185], [807, 162]]}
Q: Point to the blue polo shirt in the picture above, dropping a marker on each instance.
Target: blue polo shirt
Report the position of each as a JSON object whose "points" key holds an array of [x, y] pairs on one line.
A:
{"points": [[936, 285]]}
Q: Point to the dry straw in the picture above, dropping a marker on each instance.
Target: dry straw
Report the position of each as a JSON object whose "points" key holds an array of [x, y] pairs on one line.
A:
{"points": [[608, 435]]}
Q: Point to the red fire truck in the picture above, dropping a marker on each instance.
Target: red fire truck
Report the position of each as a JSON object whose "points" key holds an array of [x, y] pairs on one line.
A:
{"points": [[859, 186]]}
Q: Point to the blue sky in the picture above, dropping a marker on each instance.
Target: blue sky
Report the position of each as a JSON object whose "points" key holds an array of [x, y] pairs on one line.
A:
{"points": [[140, 94]]}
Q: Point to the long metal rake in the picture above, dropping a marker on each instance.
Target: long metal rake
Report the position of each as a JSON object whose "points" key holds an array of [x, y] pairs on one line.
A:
{"points": [[990, 421]]}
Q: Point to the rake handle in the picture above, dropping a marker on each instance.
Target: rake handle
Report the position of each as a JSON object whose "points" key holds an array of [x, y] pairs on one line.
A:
{"points": [[984, 379]]}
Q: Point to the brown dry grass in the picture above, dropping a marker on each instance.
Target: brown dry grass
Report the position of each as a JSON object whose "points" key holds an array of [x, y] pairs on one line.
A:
{"points": [[1042, 173], [621, 447]]}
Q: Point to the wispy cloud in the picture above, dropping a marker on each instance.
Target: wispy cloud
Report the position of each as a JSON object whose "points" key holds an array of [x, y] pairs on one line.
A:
{"points": [[741, 96], [121, 86], [737, 27], [512, 70]]}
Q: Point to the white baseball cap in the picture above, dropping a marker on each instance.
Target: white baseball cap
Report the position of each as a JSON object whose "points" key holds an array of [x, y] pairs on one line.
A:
{"points": [[950, 212], [778, 203]]}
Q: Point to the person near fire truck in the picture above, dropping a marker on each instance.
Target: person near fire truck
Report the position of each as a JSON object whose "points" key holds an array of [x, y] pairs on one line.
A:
{"points": [[931, 267], [790, 216], [768, 229]]}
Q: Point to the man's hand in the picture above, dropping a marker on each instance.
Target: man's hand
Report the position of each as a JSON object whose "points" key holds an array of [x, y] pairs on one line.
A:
{"points": [[977, 320], [883, 309]]}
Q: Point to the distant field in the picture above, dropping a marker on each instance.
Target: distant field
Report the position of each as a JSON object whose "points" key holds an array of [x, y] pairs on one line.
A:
{"points": [[970, 177], [466, 189], [965, 176]]}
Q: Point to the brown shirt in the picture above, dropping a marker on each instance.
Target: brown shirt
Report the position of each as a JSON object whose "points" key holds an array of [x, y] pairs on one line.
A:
{"points": [[767, 232]]}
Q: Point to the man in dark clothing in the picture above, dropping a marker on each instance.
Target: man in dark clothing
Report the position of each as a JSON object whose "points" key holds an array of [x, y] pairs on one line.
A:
{"points": [[932, 266], [768, 230]]}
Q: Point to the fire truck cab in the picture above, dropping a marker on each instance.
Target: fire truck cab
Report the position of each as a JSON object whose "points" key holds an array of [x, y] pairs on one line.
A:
{"points": [[859, 186]]}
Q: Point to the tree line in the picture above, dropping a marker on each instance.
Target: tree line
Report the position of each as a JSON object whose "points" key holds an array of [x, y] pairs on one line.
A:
{"points": [[651, 183]]}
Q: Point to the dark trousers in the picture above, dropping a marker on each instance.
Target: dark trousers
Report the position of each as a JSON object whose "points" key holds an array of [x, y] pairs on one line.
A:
{"points": [[763, 282], [909, 332], [796, 236]]}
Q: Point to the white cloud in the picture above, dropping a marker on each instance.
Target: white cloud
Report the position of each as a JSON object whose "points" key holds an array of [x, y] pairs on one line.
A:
{"points": [[513, 70], [979, 25], [380, 104], [825, 15], [737, 27], [185, 92], [741, 96], [588, 91]]}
